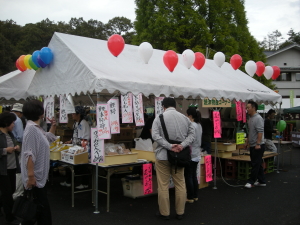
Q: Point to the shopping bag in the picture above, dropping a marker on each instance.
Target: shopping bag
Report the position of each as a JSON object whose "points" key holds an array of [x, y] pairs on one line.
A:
{"points": [[25, 207], [143, 144]]}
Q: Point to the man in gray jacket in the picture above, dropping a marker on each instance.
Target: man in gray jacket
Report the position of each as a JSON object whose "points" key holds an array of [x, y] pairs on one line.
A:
{"points": [[179, 128], [256, 143]]}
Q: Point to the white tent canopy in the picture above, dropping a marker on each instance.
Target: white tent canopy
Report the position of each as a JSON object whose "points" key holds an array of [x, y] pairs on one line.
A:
{"points": [[85, 65]]}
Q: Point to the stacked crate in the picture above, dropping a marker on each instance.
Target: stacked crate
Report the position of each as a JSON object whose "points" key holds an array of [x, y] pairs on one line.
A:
{"points": [[269, 165], [230, 169], [244, 170]]}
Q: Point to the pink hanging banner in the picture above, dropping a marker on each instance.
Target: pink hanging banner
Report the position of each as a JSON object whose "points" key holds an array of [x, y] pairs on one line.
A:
{"points": [[238, 108], [114, 115], [244, 112], [97, 147], [217, 124], [103, 125], [126, 106], [147, 178], [208, 168], [138, 110]]}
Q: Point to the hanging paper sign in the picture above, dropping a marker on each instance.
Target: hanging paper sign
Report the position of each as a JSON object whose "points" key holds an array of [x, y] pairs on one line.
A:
{"points": [[138, 110], [239, 114], [126, 105], [208, 168], [103, 121], [97, 147], [216, 103], [63, 117], [243, 106], [147, 178], [217, 124], [69, 105], [114, 116], [158, 106], [240, 138], [49, 109]]}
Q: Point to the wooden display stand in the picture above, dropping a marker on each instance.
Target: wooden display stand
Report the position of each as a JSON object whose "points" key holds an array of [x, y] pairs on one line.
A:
{"points": [[149, 156], [120, 159]]}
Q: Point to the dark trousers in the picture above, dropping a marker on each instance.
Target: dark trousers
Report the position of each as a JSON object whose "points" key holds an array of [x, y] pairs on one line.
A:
{"points": [[191, 182], [206, 145], [44, 213], [7, 188], [257, 171]]}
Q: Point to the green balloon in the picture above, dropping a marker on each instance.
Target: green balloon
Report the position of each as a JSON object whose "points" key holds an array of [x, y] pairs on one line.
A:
{"points": [[31, 63], [281, 125]]}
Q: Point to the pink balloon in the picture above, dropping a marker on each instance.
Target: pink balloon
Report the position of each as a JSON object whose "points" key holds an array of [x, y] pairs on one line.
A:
{"points": [[260, 68], [115, 44], [170, 60], [276, 72], [199, 60], [236, 61]]}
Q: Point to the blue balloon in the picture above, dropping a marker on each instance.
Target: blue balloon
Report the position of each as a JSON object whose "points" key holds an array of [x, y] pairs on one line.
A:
{"points": [[34, 58], [46, 55]]}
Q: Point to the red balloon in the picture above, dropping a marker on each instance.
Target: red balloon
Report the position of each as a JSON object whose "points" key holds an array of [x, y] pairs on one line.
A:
{"points": [[18, 66], [115, 44], [236, 61], [21, 62], [199, 60], [170, 60], [276, 72], [260, 68]]}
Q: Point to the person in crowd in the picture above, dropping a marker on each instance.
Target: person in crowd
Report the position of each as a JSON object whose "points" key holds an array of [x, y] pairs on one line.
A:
{"points": [[179, 128], [18, 129], [268, 131], [82, 132], [35, 158], [190, 172], [207, 127], [9, 164], [147, 129], [145, 115], [256, 143]]}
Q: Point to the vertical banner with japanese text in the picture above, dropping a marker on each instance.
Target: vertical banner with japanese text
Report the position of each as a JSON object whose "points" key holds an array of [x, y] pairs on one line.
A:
{"points": [[208, 168], [49, 108], [147, 178], [217, 124], [97, 147], [238, 108], [126, 106], [244, 112], [103, 121], [63, 116], [158, 106], [138, 110], [114, 115]]}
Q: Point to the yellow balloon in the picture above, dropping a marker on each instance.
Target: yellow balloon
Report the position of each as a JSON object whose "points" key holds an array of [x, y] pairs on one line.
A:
{"points": [[26, 61]]}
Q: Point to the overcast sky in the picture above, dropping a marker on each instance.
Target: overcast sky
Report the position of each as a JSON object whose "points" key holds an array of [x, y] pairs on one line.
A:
{"points": [[264, 16]]}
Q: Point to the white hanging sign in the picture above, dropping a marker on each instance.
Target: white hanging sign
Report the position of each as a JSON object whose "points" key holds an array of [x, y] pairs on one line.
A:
{"points": [[49, 108], [126, 105], [138, 110], [103, 121], [158, 106], [97, 147], [114, 115], [63, 116]]}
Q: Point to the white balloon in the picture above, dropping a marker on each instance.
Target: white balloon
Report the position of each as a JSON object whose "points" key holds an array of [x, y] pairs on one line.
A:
{"points": [[145, 51], [251, 67], [188, 58], [268, 72], [219, 58]]}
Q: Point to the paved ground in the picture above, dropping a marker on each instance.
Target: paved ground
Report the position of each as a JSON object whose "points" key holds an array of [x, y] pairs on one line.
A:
{"points": [[278, 203]]}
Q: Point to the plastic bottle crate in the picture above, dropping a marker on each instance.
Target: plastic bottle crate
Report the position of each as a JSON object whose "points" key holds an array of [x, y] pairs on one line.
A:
{"points": [[243, 176], [244, 170], [270, 169], [270, 162], [231, 175]]}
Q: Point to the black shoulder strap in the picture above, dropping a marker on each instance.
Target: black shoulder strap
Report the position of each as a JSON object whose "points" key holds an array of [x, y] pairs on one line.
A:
{"points": [[163, 125]]}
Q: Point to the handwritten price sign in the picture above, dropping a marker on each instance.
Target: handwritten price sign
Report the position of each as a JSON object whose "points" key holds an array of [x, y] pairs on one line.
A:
{"points": [[114, 116], [240, 138], [103, 121], [243, 106], [97, 147], [239, 113], [147, 178], [63, 116], [208, 168], [217, 124], [49, 107], [126, 105], [158, 106], [138, 110]]}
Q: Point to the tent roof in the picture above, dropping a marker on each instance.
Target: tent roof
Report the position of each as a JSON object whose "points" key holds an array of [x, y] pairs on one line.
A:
{"points": [[83, 65], [292, 110]]}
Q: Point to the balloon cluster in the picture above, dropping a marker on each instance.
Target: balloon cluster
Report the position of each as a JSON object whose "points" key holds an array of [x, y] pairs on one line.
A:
{"points": [[38, 59]]}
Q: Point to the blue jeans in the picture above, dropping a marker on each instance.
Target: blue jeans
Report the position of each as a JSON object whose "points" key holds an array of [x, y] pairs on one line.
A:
{"points": [[191, 182], [257, 171]]}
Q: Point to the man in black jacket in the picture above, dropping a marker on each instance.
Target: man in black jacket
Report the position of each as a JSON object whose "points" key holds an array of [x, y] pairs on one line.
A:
{"points": [[268, 131]]}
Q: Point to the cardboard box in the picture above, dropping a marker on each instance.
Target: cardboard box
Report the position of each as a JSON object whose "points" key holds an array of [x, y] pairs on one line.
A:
{"points": [[55, 155], [223, 147], [150, 156], [64, 132], [222, 154], [74, 159], [203, 183], [120, 159], [126, 133]]}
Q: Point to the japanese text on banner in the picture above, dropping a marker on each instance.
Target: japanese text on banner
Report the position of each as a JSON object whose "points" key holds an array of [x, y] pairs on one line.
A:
{"points": [[147, 178], [208, 168], [114, 116], [243, 106], [138, 110], [239, 114], [158, 106], [103, 121], [126, 105], [63, 116], [240, 138], [97, 147], [217, 124], [49, 108]]}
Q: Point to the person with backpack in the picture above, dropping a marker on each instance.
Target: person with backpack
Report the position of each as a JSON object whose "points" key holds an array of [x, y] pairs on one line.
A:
{"points": [[190, 172], [179, 129]]}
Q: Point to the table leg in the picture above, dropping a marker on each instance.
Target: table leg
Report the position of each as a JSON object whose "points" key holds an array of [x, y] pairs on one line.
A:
{"points": [[109, 173], [72, 169], [96, 189]]}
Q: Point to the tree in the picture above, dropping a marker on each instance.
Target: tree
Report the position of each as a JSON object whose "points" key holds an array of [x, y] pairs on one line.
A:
{"points": [[294, 38], [122, 26], [273, 41]]}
